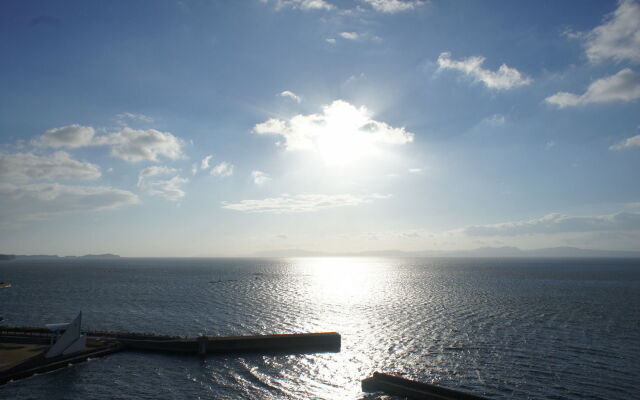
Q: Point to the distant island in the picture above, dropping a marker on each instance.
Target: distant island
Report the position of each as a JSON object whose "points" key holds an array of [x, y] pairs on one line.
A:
{"points": [[8, 257], [479, 252]]}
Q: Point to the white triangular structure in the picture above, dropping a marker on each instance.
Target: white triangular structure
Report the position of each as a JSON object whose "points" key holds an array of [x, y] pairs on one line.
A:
{"points": [[71, 340]]}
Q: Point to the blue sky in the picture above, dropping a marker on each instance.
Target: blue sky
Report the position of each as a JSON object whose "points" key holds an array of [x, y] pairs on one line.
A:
{"points": [[204, 128]]}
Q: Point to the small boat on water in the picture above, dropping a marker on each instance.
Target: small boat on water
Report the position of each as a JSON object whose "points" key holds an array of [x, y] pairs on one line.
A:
{"points": [[5, 285]]}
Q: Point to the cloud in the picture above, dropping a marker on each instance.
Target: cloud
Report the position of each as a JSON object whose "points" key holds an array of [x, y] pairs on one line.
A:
{"points": [[416, 170], [137, 145], [301, 203], [128, 144], [71, 136], [623, 86], [495, 120], [59, 165], [618, 38], [350, 35], [558, 223], [340, 132], [41, 200], [633, 141], [394, 6], [304, 4], [505, 78], [550, 144], [168, 188], [133, 117], [204, 164], [331, 40], [259, 177], [291, 95], [223, 169]]}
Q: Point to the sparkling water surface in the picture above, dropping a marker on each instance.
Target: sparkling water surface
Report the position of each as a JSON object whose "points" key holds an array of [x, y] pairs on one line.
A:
{"points": [[502, 328]]}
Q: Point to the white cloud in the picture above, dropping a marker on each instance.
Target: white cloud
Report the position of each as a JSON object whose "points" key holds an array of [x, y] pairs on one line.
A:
{"points": [[71, 136], [618, 38], [300, 203], [259, 177], [291, 95], [550, 144], [154, 170], [59, 165], [138, 145], [505, 78], [495, 120], [633, 141], [133, 117], [342, 131], [222, 169], [168, 188], [394, 6], [304, 4], [204, 164], [331, 40], [416, 170], [349, 35], [623, 86], [128, 144], [558, 223], [36, 201]]}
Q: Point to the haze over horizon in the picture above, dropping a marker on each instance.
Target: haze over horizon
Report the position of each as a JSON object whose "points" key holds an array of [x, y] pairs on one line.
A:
{"points": [[204, 128]]}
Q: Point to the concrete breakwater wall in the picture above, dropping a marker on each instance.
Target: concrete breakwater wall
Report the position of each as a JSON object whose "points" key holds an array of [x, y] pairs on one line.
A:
{"points": [[14, 341]]}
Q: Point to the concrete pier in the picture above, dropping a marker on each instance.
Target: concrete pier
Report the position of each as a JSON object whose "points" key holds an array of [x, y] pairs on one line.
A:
{"points": [[283, 343], [27, 345], [397, 386]]}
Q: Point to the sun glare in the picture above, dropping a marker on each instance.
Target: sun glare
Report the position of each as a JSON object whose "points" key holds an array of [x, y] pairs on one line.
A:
{"points": [[341, 140]]}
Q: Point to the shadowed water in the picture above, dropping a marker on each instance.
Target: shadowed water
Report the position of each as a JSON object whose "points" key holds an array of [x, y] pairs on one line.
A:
{"points": [[503, 328]]}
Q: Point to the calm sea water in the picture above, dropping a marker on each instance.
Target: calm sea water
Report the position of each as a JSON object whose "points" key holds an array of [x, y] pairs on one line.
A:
{"points": [[503, 328]]}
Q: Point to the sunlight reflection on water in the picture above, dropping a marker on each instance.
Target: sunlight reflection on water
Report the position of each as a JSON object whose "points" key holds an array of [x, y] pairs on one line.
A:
{"points": [[502, 328]]}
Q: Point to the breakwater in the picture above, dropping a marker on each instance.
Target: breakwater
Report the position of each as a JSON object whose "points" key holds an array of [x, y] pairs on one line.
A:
{"points": [[101, 343]]}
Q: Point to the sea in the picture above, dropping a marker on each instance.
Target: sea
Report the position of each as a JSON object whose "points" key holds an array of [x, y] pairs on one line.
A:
{"points": [[504, 328]]}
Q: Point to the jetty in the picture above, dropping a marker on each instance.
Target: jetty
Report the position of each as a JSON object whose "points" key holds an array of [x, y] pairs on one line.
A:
{"points": [[397, 386], [24, 350]]}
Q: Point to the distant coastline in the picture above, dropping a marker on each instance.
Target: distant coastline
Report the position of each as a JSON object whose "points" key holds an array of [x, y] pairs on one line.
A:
{"points": [[553, 252], [9, 257]]}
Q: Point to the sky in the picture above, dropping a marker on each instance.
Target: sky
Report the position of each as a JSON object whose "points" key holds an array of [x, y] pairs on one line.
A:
{"points": [[225, 128]]}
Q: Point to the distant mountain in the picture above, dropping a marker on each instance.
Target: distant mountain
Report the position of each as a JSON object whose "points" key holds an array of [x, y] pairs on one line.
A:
{"points": [[50, 257], [7, 257], [290, 253], [479, 252], [96, 256]]}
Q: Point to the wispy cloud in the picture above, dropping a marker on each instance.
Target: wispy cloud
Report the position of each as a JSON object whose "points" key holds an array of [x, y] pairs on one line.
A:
{"points": [[127, 116], [504, 78], [204, 164], [223, 169], [303, 4], [170, 189], [259, 177], [394, 6], [618, 38], [349, 35], [59, 165], [42, 200], [291, 95], [623, 86], [302, 203], [558, 223], [633, 141]]}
